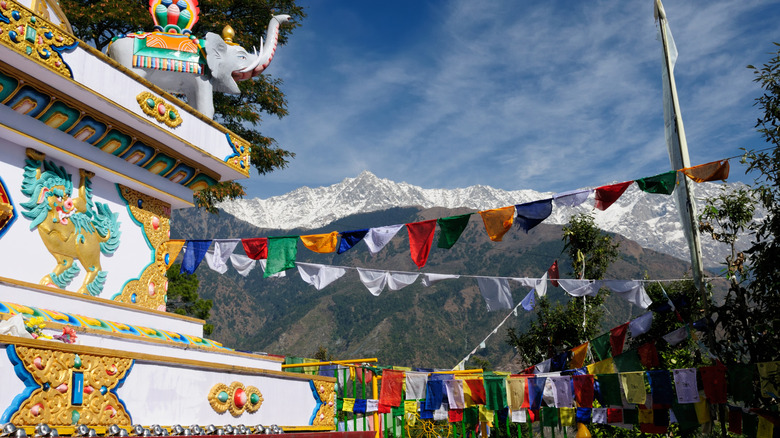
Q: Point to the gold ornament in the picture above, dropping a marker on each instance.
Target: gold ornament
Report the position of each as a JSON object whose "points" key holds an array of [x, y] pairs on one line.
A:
{"points": [[153, 215], [55, 372], [240, 158], [235, 398], [327, 392], [35, 37], [159, 109]]}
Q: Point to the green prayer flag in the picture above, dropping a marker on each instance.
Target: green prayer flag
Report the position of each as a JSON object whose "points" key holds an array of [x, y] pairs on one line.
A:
{"points": [[630, 416], [628, 361], [600, 347], [662, 183], [609, 386], [495, 392], [749, 425], [685, 412], [471, 417], [281, 254], [291, 360], [450, 229], [549, 416], [741, 381]]}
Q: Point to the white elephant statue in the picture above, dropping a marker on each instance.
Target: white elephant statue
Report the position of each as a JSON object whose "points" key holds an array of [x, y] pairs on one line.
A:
{"points": [[181, 63]]}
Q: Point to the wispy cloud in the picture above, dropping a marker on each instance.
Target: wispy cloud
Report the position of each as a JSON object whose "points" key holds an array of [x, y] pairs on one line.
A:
{"points": [[549, 95]]}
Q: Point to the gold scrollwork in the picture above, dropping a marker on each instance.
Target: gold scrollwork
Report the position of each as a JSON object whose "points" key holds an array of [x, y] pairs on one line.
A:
{"points": [[162, 111], [34, 37], [153, 216], [240, 158], [52, 402], [235, 398], [327, 393]]}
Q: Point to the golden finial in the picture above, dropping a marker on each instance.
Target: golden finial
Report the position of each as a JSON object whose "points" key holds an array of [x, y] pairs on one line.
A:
{"points": [[228, 33]]}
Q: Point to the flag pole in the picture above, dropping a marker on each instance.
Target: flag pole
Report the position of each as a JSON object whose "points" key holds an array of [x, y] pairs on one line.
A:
{"points": [[678, 155]]}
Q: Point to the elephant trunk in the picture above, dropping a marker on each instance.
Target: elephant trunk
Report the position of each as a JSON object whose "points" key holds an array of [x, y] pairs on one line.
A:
{"points": [[269, 48]]}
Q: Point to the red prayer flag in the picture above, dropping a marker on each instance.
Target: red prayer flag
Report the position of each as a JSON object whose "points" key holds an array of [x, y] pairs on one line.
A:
{"points": [[648, 355], [384, 409], [477, 388], [583, 390], [553, 274], [614, 415], [392, 385], [652, 428], [617, 337], [607, 195], [534, 414], [420, 240], [455, 415], [714, 380], [735, 420], [256, 248]]}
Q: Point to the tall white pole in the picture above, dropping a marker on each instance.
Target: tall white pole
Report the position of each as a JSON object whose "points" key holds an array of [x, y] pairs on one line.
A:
{"points": [[678, 153]]}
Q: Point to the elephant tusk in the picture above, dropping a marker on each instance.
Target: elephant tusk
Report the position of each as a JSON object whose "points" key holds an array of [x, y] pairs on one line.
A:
{"points": [[254, 64]]}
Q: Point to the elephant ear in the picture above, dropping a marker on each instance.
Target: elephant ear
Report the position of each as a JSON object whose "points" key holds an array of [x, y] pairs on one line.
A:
{"points": [[220, 64]]}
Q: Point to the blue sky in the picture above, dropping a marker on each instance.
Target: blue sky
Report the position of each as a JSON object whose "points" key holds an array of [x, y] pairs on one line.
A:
{"points": [[543, 95]]}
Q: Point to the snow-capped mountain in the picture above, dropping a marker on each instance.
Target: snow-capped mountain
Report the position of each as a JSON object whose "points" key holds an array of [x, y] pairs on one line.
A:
{"points": [[649, 219]]}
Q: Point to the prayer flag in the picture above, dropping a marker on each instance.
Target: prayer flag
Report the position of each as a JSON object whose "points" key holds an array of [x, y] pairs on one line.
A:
{"points": [[392, 384], [474, 392], [583, 390], [769, 373], [434, 392], [599, 415], [174, 248], [455, 394], [450, 229], [535, 391], [661, 387], [529, 302], [498, 221], [685, 385], [677, 336], [431, 279], [741, 382], [766, 428], [648, 355], [496, 293], [495, 392], [515, 393], [420, 240], [628, 361], [609, 389], [614, 415], [256, 248], [617, 337], [641, 324], [455, 415], [602, 367], [607, 195], [568, 416], [321, 243], [223, 248], [662, 183], [550, 417], [282, 251], [578, 354], [702, 411], [377, 237], [735, 420], [350, 239], [531, 214], [634, 387], [349, 404], [572, 198], [714, 171], [553, 274], [194, 252], [600, 347], [562, 391], [415, 385], [713, 378], [319, 276], [359, 406]]}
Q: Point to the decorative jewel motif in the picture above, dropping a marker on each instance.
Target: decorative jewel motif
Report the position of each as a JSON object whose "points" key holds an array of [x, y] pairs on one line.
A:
{"points": [[154, 106], [174, 16], [35, 37], [70, 403], [7, 211], [235, 398], [153, 216]]}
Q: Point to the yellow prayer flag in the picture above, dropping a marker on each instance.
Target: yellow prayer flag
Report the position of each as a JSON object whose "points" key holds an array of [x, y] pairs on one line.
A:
{"points": [[311, 370], [605, 366], [578, 354], [770, 379], [498, 221], [515, 393], [634, 387], [567, 416], [349, 404], [702, 410], [765, 428], [469, 401], [174, 248], [397, 368], [410, 406], [646, 416], [486, 415], [322, 243]]}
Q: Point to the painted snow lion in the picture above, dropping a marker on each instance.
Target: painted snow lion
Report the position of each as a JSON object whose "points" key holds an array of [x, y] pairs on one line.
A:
{"points": [[71, 227]]}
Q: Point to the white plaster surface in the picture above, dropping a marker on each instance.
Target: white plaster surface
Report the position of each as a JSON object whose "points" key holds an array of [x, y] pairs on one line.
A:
{"points": [[10, 385], [165, 394]]}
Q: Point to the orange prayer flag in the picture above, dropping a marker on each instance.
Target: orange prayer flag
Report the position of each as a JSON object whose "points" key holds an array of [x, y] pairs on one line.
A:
{"points": [[578, 356], [498, 221], [714, 171], [322, 243]]}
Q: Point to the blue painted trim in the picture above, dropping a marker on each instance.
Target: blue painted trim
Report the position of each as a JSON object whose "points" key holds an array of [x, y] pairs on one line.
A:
{"points": [[316, 399], [62, 49], [232, 146], [23, 375], [15, 214], [146, 239], [119, 385]]}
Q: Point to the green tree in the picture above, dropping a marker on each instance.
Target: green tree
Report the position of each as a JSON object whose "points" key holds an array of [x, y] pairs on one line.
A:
{"points": [[561, 326], [183, 297], [98, 21]]}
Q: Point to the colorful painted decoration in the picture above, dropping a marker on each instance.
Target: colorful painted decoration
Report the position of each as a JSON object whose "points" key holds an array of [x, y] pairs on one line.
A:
{"points": [[69, 226], [70, 402], [157, 108], [174, 16], [34, 37], [8, 213], [235, 398]]}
